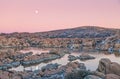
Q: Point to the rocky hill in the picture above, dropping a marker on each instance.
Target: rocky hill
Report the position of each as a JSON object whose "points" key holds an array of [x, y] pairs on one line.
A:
{"points": [[81, 32], [78, 32]]}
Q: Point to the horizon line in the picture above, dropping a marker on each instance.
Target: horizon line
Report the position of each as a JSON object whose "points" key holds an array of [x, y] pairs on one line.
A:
{"points": [[61, 29]]}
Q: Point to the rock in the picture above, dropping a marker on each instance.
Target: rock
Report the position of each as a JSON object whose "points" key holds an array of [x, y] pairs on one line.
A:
{"points": [[13, 42], [55, 76], [117, 54], [50, 66], [104, 65], [9, 65], [88, 42], [52, 71], [36, 59], [108, 67], [85, 56], [58, 52], [117, 46], [112, 76], [72, 58], [92, 77], [77, 74], [110, 50], [53, 51], [73, 68], [21, 56], [119, 50], [99, 74], [12, 75]]}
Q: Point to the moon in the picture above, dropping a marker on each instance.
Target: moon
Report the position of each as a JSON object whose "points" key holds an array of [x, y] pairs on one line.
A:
{"points": [[36, 11]]}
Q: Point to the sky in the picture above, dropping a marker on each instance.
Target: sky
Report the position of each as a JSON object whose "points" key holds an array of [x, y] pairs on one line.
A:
{"points": [[45, 15]]}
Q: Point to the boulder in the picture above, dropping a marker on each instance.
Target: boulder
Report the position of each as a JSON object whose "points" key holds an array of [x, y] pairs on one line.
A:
{"points": [[112, 76], [108, 67]]}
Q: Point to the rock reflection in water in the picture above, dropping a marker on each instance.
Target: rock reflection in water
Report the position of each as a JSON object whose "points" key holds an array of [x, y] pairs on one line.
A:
{"points": [[90, 64]]}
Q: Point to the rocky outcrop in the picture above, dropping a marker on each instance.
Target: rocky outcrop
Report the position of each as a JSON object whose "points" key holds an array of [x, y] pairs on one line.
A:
{"points": [[62, 72], [68, 68], [110, 44], [10, 58], [5, 61], [13, 42]]}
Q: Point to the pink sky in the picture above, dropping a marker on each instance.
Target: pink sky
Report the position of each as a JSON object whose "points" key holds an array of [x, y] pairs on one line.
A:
{"points": [[21, 16]]}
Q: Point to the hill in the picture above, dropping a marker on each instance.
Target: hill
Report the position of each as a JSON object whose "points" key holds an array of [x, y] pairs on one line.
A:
{"points": [[78, 32]]}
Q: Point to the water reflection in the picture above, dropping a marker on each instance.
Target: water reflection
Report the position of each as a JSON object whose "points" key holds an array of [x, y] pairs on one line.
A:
{"points": [[35, 50], [90, 64]]}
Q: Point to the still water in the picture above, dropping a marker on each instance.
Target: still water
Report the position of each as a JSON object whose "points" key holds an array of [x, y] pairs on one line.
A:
{"points": [[90, 64]]}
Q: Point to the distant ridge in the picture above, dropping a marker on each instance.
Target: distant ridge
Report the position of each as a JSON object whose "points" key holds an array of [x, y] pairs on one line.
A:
{"points": [[78, 32], [81, 32], [81, 27]]}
